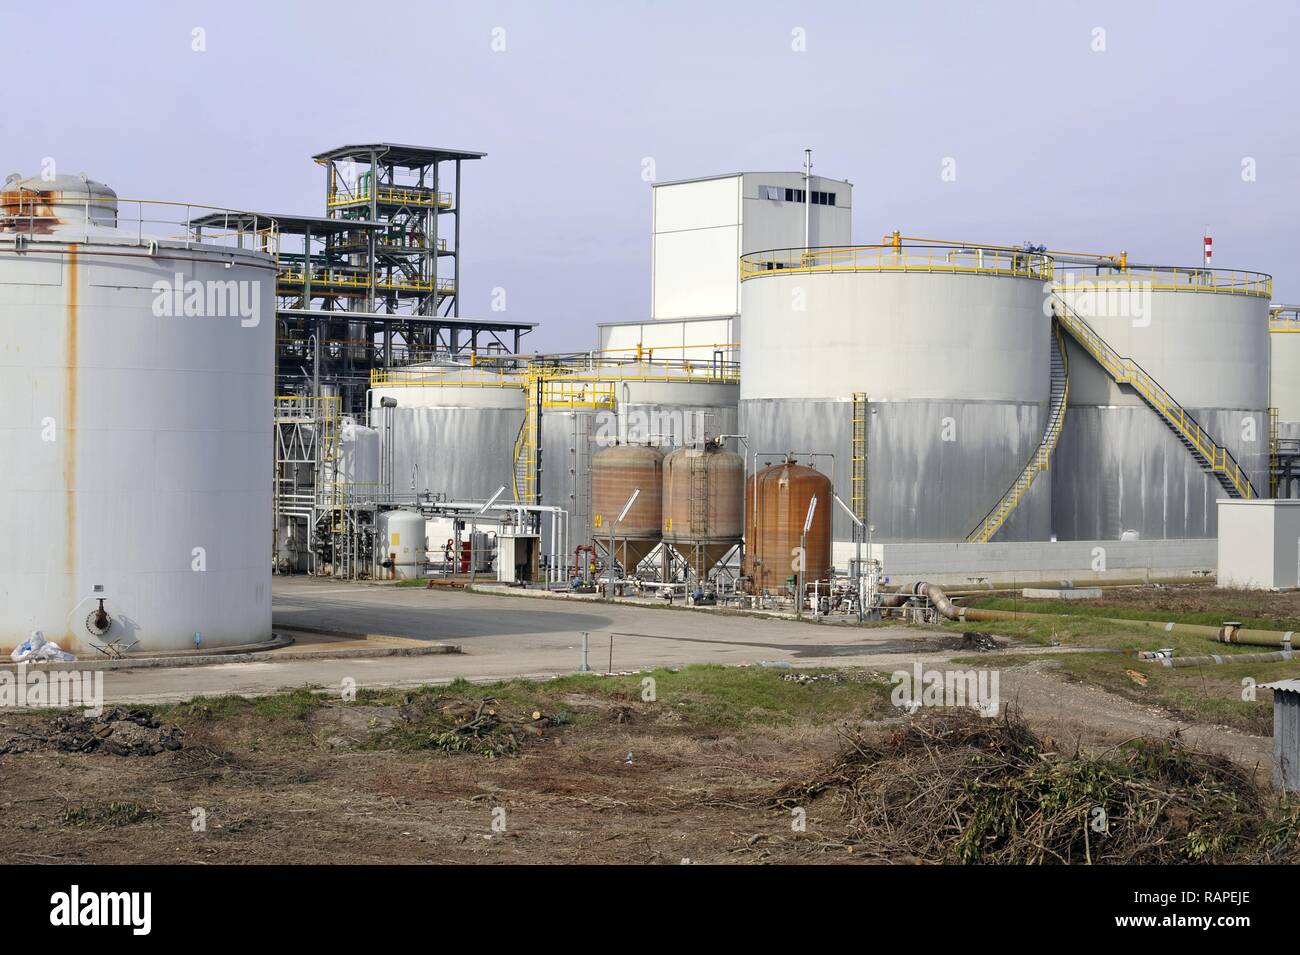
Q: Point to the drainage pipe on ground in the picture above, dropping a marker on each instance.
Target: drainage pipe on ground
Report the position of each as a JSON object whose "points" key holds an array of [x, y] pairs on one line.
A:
{"points": [[1155, 656], [1228, 633]]}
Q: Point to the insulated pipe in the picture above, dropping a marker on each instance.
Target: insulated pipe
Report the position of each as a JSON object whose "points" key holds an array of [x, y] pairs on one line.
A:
{"points": [[1228, 633], [1168, 661], [986, 589]]}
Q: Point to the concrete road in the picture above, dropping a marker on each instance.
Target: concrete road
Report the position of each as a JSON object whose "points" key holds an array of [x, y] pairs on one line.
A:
{"points": [[503, 636]]}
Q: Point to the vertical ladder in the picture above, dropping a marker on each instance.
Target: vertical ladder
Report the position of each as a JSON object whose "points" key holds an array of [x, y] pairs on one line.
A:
{"points": [[699, 494], [861, 409], [1274, 463]]}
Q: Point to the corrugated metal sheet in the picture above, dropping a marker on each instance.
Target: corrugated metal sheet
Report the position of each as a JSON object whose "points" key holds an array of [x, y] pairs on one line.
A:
{"points": [[1286, 734]]}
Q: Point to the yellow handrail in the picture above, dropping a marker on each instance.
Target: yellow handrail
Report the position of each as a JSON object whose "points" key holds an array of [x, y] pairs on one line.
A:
{"points": [[1126, 371], [1040, 460], [982, 260]]}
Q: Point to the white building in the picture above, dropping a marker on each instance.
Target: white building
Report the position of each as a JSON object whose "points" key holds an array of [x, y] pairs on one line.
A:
{"points": [[700, 229]]}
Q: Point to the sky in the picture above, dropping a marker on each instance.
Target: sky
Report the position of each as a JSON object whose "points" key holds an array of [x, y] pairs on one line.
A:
{"points": [[1082, 126]]}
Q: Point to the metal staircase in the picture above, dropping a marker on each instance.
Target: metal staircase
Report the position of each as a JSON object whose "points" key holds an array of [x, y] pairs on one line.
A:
{"points": [[1213, 458], [1042, 456], [528, 444]]}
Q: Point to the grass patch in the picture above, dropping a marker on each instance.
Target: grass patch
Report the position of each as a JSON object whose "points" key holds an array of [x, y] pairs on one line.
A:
{"points": [[1106, 609], [293, 705], [706, 695], [113, 815]]}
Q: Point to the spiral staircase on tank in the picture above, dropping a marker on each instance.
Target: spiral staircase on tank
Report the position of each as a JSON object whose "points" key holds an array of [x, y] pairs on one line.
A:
{"points": [[1213, 458], [1041, 459]]}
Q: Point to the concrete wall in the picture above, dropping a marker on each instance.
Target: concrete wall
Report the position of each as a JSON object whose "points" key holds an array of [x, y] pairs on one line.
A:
{"points": [[1008, 563], [1259, 544]]}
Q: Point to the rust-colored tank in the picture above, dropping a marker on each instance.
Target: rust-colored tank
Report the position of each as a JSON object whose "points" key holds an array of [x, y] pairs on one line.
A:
{"points": [[615, 473], [776, 505], [704, 504]]}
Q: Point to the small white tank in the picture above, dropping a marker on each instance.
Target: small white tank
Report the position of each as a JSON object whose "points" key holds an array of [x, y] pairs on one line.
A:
{"points": [[399, 545]]}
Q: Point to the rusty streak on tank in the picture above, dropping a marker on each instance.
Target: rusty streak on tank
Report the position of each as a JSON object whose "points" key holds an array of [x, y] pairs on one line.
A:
{"points": [[70, 438], [776, 506], [704, 504], [615, 473], [26, 211]]}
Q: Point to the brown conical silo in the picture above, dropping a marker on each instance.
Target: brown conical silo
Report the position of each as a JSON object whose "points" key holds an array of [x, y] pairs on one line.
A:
{"points": [[703, 510], [615, 473], [776, 506]]}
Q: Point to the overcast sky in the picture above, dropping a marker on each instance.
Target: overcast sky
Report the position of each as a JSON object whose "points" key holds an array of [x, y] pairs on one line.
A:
{"points": [[1084, 126]]}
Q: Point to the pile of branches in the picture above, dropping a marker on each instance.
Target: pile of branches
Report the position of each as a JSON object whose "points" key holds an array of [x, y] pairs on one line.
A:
{"points": [[476, 726], [954, 787]]}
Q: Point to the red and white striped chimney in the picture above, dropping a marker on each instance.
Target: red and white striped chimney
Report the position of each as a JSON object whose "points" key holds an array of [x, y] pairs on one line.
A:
{"points": [[1209, 248]]}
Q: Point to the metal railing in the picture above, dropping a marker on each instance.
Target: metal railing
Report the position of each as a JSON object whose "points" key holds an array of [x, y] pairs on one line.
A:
{"points": [[982, 260], [1170, 279], [392, 195], [331, 279], [1284, 318], [1126, 371], [34, 213]]}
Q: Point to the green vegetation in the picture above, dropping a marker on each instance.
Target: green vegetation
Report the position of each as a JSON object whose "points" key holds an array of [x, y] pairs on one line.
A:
{"points": [[112, 815], [296, 704], [1100, 610], [709, 695]]}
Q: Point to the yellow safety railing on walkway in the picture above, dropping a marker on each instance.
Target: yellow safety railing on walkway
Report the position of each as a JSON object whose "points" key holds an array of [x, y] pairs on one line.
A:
{"points": [[1126, 371]]}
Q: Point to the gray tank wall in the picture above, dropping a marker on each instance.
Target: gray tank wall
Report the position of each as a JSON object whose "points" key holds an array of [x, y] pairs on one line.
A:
{"points": [[463, 453], [1118, 466], [920, 486]]}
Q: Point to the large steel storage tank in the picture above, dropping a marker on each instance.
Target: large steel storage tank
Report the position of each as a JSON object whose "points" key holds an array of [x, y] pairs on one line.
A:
{"points": [[615, 474], [1284, 391], [453, 429], [587, 409], [136, 387], [1202, 336], [703, 510], [777, 499], [924, 370]]}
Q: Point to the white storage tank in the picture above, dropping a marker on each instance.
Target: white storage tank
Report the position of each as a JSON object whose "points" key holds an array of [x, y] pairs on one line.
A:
{"points": [[359, 456], [948, 352], [1203, 336], [399, 545], [136, 386], [452, 431]]}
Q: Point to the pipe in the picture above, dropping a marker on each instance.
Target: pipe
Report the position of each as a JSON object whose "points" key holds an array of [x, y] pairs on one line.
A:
{"points": [[990, 588], [1228, 633], [1168, 661]]}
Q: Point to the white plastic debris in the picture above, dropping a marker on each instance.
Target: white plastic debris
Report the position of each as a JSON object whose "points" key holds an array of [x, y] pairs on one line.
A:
{"points": [[36, 648]]}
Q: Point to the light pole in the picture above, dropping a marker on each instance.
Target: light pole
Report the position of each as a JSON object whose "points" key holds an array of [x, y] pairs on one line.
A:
{"points": [[858, 527], [636, 492], [803, 558]]}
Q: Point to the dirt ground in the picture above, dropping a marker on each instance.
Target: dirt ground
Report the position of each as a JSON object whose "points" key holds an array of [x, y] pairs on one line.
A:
{"points": [[318, 793], [602, 776]]}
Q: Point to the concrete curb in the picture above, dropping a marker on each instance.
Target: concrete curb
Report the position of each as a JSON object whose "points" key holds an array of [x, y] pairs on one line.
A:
{"points": [[150, 663]]}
